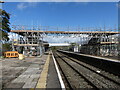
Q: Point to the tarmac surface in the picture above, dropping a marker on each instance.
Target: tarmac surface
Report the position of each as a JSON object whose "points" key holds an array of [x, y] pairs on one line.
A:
{"points": [[52, 81], [29, 73]]}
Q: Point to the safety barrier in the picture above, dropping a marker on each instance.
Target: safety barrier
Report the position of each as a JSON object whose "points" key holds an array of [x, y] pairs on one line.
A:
{"points": [[11, 54]]}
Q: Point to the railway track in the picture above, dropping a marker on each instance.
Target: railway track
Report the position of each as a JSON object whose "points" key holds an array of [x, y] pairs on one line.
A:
{"points": [[78, 74]]}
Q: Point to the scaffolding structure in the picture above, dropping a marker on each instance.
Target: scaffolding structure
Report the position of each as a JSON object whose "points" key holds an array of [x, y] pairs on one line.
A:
{"points": [[102, 45], [94, 41], [28, 43]]}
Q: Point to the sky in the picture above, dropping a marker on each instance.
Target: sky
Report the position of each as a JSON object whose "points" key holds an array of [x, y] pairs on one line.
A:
{"points": [[63, 14], [86, 14], [61, 0]]}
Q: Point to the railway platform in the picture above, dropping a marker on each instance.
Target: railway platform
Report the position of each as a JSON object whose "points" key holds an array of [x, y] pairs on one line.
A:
{"points": [[34, 72]]}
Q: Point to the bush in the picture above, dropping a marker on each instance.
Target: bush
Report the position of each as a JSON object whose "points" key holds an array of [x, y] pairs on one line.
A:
{"points": [[5, 47]]}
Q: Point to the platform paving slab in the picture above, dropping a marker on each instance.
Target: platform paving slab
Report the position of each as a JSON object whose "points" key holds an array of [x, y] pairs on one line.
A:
{"points": [[22, 73], [15, 85], [30, 85]]}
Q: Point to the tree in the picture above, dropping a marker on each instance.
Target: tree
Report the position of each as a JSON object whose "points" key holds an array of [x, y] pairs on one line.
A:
{"points": [[4, 25], [4, 29]]}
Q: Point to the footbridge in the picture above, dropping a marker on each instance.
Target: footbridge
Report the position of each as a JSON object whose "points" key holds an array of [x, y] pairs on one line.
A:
{"points": [[100, 42]]}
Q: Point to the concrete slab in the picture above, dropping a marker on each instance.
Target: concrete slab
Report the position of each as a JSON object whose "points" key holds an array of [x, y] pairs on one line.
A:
{"points": [[22, 73], [29, 80], [15, 85], [30, 73], [30, 85]]}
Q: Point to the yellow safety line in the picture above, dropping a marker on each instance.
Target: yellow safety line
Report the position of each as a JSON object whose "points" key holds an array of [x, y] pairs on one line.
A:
{"points": [[43, 77]]}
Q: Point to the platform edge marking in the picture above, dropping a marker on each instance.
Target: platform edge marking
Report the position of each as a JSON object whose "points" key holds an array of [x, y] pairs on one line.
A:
{"points": [[58, 73], [42, 82]]}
